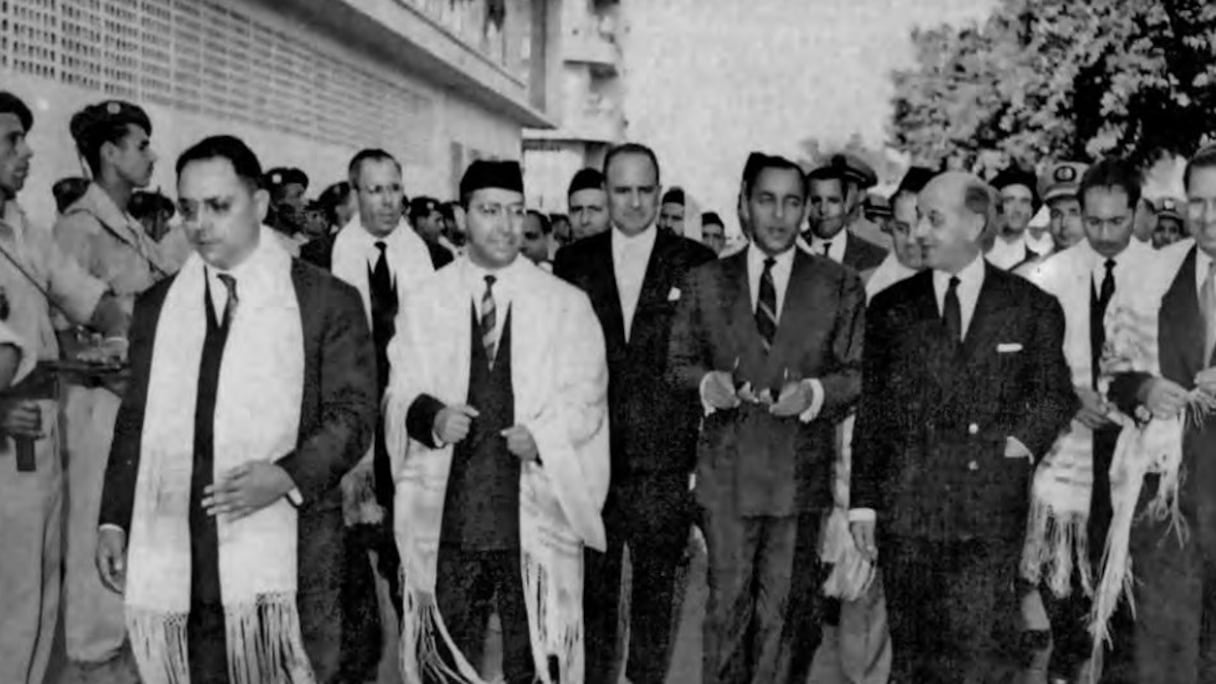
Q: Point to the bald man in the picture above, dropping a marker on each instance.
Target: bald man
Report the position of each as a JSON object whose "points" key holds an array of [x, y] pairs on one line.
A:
{"points": [[964, 388]]}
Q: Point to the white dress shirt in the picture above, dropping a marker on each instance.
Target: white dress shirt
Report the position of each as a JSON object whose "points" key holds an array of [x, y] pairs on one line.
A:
{"points": [[1203, 263], [782, 265], [630, 257], [971, 279], [1005, 254], [836, 246], [506, 279]]}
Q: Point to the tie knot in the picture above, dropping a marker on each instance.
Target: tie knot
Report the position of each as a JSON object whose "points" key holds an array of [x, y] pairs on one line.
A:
{"points": [[490, 280], [954, 281], [768, 263], [230, 283], [1110, 265], [381, 246]]}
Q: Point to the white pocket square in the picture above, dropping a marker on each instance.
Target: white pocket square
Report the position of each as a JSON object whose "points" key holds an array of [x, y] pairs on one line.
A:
{"points": [[674, 295], [1008, 348]]}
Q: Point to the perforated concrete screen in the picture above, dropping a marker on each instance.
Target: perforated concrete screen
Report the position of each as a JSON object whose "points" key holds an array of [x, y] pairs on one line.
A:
{"points": [[253, 71]]}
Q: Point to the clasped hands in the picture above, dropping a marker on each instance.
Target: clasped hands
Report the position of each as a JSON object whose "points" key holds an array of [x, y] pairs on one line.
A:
{"points": [[720, 391], [452, 425], [1166, 399]]}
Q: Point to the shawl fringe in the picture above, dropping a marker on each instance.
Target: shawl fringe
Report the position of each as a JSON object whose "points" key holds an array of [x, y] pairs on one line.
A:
{"points": [[1057, 544]]}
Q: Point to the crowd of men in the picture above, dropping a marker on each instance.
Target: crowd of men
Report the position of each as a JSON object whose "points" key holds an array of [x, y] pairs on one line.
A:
{"points": [[927, 423]]}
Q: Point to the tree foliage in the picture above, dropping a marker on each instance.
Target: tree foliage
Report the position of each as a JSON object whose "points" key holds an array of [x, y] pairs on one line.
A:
{"points": [[1062, 79], [816, 152]]}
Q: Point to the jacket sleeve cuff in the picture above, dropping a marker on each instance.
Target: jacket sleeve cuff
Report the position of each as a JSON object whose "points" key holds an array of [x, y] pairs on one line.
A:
{"points": [[1014, 448], [816, 406], [295, 498], [705, 407], [863, 515]]}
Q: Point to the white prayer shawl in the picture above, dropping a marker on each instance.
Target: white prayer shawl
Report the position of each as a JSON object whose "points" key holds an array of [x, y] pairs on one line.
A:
{"points": [[257, 418], [1056, 541], [1148, 447], [409, 263], [559, 379]]}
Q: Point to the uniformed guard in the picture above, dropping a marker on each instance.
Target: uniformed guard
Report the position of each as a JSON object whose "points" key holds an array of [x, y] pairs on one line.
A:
{"points": [[1171, 227], [839, 229], [36, 278], [286, 186], [113, 139]]}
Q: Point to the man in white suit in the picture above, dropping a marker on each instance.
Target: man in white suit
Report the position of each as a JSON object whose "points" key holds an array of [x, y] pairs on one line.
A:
{"points": [[496, 417]]}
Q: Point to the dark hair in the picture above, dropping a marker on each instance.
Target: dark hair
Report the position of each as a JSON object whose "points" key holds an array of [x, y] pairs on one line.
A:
{"points": [[421, 207], [68, 190], [1205, 158], [244, 162], [367, 154], [630, 148], [982, 199], [333, 197], [448, 210], [1113, 173], [11, 104], [780, 163], [545, 226], [108, 122], [555, 218]]}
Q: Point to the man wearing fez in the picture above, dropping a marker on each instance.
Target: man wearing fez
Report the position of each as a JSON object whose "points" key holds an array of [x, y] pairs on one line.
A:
{"points": [[496, 415], [251, 395], [713, 233], [634, 275], [964, 388], [287, 186], [771, 340], [37, 280], [1071, 495], [588, 202], [1019, 193], [99, 231], [835, 195], [671, 211]]}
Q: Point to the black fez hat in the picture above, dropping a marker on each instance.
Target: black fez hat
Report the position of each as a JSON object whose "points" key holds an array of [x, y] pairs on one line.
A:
{"points": [[711, 217], [482, 174], [915, 180], [674, 196], [1015, 175], [586, 179], [102, 118], [11, 104], [281, 176]]}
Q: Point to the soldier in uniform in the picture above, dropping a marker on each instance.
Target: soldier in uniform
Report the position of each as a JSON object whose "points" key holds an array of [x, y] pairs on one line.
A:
{"points": [[114, 140], [287, 186], [36, 278], [1170, 227], [1059, 192]]}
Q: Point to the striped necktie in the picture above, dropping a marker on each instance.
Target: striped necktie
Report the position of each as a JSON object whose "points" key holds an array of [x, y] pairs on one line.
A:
{"points": [[230, 305], [766, 305], [489, 320]]}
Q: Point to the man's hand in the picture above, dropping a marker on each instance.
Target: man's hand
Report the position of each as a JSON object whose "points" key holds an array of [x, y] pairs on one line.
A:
{"points": [[247, 489], [1206, 381], [1094, 409], [452, 423], [1165, 399], [718, 390], [521, 443], [864, 538], [21, 418], [796, 397], [111, 558]]}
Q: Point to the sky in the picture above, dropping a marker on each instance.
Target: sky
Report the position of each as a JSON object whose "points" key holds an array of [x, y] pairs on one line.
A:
{"points": [[708, 81]]}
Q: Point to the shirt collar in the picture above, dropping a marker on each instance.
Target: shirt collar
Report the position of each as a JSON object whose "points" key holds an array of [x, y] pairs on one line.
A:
{"points": [[504, 278], [645, 238], [972, 275], [366, 239], [756, 257]]}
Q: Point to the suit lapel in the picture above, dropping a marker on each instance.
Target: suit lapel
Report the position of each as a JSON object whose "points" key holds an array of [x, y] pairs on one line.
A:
{"points": [[794, 319], [986, 320], [1182, 325], [609, 297], [736, 290], [656, 274], [934, 353]]}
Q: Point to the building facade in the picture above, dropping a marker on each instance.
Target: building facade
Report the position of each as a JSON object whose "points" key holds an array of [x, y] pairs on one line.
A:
{"points": [[590, 111], [305, 82]]}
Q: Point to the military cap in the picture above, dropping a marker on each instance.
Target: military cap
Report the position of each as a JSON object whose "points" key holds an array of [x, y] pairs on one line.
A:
{"points": [[1015, 175], [1062, 180], [96, 123], [1169, 207], [423, 206], [848, 168], [876, 206], [586, 179], [711, 217], [281, 176], [11, 104], [482, 174]]}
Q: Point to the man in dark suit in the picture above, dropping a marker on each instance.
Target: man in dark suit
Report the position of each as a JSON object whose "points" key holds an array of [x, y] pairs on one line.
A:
{"points": [[835, 194], [633, 274], [964, 387], [1174, 598], [234, 252], [771, 340]]}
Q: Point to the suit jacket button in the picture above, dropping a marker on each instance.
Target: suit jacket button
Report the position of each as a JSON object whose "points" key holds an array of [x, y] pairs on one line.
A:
{"points": [[973, 466], [973, 429]]}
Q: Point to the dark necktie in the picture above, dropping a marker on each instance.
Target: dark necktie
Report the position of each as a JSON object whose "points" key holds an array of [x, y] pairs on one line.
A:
{"points": [[383, 296], [489, 320], [1097, 320], [826, 246], [766, 305], [952, 312], [229, 305]]}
